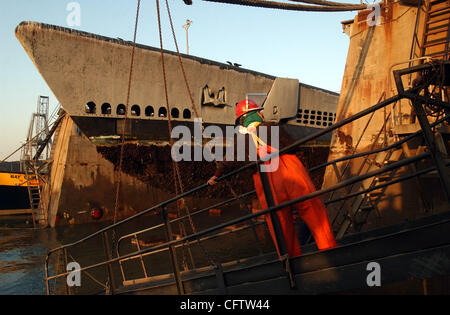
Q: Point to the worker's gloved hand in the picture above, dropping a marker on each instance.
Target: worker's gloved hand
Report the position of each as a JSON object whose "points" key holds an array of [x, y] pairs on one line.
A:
{"points": [[212, 181]]}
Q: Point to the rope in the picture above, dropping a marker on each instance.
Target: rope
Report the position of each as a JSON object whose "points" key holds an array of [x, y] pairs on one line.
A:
{"points": [[181, 62], [292, 7], [118, 179], [176, 170], [91, 276], [122, 145], [195, 112]]}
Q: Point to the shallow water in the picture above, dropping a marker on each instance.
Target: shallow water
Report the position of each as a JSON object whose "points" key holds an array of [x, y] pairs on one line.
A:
{"points": [[23, 253]]}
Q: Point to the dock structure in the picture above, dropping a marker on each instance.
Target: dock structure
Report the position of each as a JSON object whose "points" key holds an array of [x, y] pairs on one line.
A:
{"points": [[405, 34]]}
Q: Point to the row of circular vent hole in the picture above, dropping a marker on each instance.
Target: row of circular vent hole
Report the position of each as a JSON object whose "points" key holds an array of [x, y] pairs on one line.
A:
{"points": [[317, 118], [91, 108]]}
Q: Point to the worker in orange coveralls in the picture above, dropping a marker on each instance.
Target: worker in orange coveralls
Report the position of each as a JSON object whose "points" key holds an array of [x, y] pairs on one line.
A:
{"points": [[289, 180]]}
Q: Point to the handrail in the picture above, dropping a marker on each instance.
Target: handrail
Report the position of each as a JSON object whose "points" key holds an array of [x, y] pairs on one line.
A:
{"points": [[357, 155], [394, 145], [389, 147], [259, 213], [219, 234], [186, 216]]}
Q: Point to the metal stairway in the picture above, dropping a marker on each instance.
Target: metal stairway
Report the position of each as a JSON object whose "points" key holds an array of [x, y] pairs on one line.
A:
{"points": [[364, 204], [435, 44], [437, 29]]}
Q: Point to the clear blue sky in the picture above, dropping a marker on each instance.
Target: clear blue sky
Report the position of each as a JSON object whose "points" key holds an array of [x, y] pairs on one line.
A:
{"points": [[308, 46]]}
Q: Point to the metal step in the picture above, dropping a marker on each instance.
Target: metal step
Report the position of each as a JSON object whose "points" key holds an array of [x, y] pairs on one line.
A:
{"points": [[438, 12], [433, 8], [437, 2], [437, 21], [406, 129], [436, 42], [437, 27], [437, 31]]}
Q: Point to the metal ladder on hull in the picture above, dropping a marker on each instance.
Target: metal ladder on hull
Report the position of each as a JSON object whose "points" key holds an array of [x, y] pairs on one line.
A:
{"points": [[35, 170], [363, 205], [435, 39], [437, 29], [33, 181]]}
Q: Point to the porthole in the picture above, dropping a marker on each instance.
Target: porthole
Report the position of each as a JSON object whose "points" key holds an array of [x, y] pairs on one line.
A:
{"points": [[90, 108], [162, 112], [135, 110], [186, 114], [149, 111], [175, 113], [121, 109], [106, 109]]}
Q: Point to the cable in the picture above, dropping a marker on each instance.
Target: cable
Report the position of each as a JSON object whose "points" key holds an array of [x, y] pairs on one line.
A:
{"points": [[292, 7], [126, 115], [330, 3], [176, 171]]}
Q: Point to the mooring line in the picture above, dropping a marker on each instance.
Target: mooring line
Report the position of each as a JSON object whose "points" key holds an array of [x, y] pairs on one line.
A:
{"points": [[119, 175]]}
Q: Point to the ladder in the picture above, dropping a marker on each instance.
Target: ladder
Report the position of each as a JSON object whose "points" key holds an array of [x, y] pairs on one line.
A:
{"points": [[436, 34], [435, 43], [357, 213], [36, 169], [33, 182]]}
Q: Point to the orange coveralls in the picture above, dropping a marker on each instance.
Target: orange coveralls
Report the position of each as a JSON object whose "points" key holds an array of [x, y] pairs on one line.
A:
{"points": [[291, 181]]}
